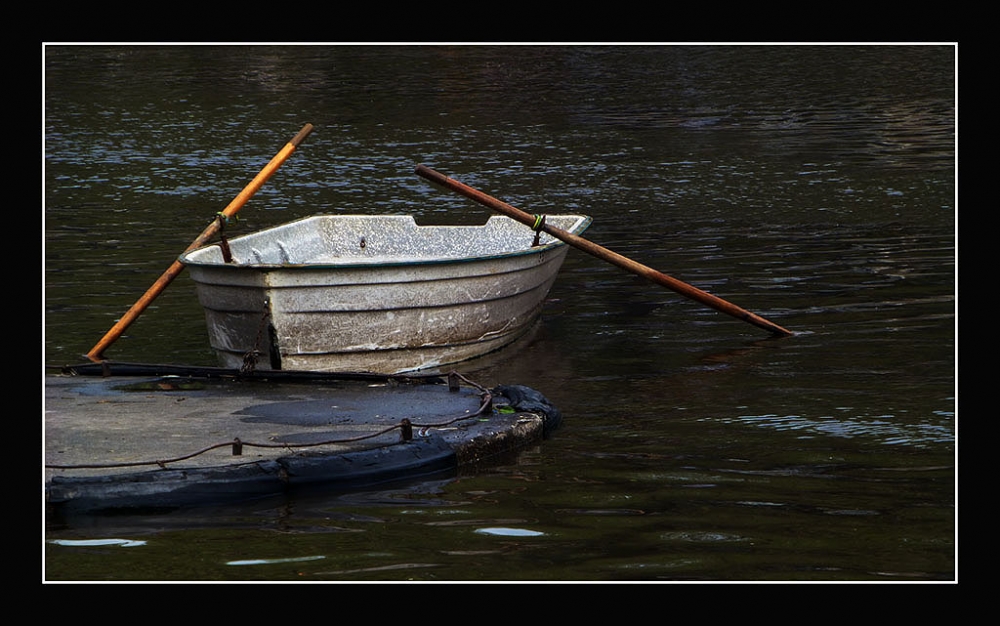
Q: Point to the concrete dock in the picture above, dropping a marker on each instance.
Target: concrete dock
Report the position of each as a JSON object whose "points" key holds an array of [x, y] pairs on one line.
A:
{"points": [[172, 440]]}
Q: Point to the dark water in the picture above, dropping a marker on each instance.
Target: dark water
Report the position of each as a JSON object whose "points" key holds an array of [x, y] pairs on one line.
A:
{"points": [[814, 186]]}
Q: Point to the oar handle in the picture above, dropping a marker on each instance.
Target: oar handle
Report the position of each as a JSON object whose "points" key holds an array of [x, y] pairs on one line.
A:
{"points": [[259, 180], [603, 253], [96, 353]]}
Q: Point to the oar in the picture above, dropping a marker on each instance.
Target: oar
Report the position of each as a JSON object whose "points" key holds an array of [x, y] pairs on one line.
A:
{"points": [[96, 353], [603, 253]]}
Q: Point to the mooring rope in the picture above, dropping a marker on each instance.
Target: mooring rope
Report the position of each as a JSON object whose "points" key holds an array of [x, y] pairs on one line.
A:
{"points": [[249, 364], [486, 405]]}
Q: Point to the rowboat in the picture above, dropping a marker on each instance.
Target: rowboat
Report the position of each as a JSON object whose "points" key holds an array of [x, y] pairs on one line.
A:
{"points": [[374, 293]]}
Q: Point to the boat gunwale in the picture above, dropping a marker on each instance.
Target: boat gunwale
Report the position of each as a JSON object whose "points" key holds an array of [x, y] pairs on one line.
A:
{"points": [[348, 263]]}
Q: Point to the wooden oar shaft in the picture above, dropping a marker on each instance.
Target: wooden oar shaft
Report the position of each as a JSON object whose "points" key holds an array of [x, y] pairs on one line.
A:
{"points": [[603, 253], [96, 353]]}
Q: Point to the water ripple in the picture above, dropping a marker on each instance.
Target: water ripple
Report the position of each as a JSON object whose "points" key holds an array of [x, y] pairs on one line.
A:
{"points": [[883, 428]]}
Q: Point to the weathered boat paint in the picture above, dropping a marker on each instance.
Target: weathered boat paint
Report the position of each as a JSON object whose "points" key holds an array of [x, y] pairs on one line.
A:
{"points": [[356, 293]]}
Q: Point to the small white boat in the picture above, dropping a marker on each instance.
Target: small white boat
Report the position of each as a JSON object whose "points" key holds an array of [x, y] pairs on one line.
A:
{"points": [[357, 293]]}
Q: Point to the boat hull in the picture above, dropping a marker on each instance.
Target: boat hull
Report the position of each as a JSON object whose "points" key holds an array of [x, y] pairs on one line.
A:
{"points": [[373, 293]]}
